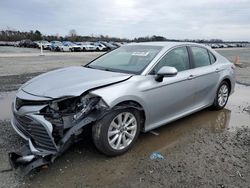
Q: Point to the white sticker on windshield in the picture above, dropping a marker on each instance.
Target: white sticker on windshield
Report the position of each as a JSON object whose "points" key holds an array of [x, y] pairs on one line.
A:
{"points": [[140, 53]]}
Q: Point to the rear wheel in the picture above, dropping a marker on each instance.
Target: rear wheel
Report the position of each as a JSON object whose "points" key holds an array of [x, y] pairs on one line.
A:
{"points": [[222, 95], [116, 132]]}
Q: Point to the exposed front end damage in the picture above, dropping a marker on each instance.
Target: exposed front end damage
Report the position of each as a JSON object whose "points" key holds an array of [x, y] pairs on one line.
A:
{"points": [[50, 126]]}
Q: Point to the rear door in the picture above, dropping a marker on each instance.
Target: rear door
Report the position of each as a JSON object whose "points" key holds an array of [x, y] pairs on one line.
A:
{"points": [[205, 75]]}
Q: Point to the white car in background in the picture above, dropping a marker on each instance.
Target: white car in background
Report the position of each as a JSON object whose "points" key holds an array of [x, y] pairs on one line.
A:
{"points": [[58, 46], [99, 46], [45, 44], [72, 46], [85, 46], [64, 48]]}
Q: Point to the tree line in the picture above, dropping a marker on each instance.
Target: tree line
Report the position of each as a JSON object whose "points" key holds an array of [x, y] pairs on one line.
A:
{"points": [[13, 35]]}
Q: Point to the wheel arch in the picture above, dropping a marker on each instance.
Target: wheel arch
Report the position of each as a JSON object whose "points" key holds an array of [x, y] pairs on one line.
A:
{"points": [[136, 105], [228, 82]]}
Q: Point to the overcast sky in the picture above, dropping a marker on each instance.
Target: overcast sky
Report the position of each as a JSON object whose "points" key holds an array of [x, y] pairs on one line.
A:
{"points": [[193, 19]]}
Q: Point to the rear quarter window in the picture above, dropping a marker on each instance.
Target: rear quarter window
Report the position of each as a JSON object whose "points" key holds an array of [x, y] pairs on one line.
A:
{"points": [[212, 57]]}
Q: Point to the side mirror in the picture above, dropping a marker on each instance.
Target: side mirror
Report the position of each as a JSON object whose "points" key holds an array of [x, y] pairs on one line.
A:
{"points": [[165, 72]]}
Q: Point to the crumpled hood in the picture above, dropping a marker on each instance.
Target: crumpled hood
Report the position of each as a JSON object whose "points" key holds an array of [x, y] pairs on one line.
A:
{"points": [[71, 81]]}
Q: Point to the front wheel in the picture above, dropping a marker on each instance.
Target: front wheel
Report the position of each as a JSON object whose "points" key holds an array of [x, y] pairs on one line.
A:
{"points": [[117, 131], [222, 95]]}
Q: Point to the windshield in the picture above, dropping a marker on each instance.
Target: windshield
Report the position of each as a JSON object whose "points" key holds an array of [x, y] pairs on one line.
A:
{"points": [[128, 59]]}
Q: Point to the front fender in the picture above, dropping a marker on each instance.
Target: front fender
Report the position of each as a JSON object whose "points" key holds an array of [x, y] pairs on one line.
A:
{"points": [[113, 100]]}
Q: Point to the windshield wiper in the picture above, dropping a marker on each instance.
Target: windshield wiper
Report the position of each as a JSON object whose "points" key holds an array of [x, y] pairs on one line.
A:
{"points": [[108, 70], [105, 69], [88, 66]]}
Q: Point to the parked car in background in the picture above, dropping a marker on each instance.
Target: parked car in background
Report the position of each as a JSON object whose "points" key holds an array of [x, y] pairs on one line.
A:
{"points": [[59, 46], [16, 44], [27, 43], [56, 45], [231, 45], [117, 44], [99, 46], [72, 46], [66, 48], [108, 45], [214, 46], [45, 44], [239, 45], [86, 46]]}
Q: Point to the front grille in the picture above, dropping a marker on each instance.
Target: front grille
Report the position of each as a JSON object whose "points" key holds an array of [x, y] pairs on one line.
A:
{"points": [[21, 102], [35, 131]]}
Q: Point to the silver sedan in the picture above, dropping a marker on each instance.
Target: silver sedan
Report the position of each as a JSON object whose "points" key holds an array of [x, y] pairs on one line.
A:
{"points": [[137, 87]]}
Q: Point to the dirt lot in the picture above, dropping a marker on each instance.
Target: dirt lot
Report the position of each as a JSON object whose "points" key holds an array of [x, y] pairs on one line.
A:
{"points": [[206, 149]]}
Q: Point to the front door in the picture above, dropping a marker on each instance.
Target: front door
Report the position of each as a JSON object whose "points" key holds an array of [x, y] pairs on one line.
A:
{"points": [[174, 96]]}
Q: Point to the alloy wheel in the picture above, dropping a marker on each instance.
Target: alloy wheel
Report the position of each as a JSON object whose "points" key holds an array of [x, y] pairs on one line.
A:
{"points": [[122, 130], [223, 95]]}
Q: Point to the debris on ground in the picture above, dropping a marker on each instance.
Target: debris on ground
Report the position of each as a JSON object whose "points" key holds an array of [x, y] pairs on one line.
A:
{"points": [[156, 156], [154, 133]]}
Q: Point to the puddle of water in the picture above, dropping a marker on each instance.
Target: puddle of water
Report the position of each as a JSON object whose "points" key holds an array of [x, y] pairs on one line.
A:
{"points": [[237, 103], [6, 99]]}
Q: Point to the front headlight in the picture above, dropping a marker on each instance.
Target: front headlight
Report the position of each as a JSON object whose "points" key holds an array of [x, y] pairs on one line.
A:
{"points": [[87, 103], [74, 106], [54, 105]]}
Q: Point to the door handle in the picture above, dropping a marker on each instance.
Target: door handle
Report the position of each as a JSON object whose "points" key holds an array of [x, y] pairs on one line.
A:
{"points": [[191, 77], [217, 70]]}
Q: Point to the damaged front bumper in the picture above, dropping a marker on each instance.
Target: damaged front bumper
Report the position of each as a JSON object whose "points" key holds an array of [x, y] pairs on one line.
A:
{"points": [[25, 161], [43, 145]]}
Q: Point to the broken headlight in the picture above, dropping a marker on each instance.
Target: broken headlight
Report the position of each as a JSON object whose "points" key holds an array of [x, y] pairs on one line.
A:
{"points": [[86, 104], [74, 106]]}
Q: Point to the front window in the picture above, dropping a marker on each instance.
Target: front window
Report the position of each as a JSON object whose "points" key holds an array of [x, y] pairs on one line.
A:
{"points": [[177, 58], [128, 59]]}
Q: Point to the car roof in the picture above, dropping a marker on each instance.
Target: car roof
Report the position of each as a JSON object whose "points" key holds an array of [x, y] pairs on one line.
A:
{"points": [[165, 44]]}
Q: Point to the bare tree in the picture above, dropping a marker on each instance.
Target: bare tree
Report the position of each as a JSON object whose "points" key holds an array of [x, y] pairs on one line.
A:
{"points": [[72, 33]]}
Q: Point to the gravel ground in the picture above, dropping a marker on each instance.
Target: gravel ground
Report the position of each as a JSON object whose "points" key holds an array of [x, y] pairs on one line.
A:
{"points": [[206, 149], [32, 63], [217, 160], [201, 159]]}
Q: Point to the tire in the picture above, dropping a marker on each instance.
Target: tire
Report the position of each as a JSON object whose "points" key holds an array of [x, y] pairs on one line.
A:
{"points": [[222, 96], [109, 125]]}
